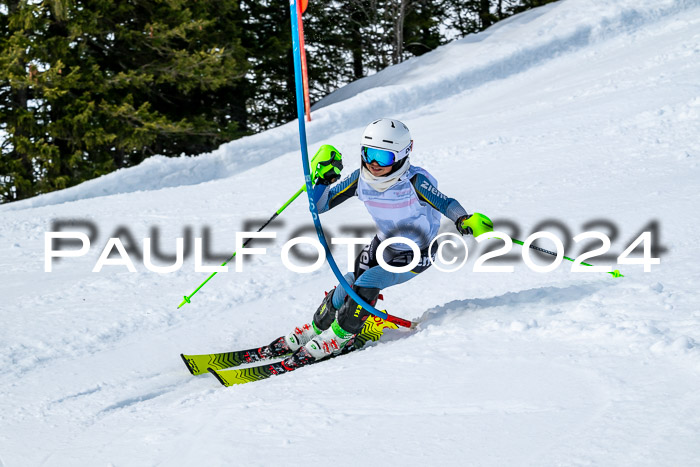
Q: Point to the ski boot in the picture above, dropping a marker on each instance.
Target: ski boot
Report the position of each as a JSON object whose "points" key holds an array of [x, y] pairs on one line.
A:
{"points": [[332, 341], [302, 334], [299, 337], [329, 342]]}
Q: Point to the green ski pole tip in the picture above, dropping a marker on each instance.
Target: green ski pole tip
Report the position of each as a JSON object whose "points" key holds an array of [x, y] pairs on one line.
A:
{"points": [[617, 273]]}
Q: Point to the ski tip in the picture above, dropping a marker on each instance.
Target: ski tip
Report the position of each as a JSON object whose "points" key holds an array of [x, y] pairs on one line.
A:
{"points": [[187, 364], [218, 377]]}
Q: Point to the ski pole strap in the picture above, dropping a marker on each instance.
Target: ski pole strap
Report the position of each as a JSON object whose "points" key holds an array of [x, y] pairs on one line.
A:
{"points": [[188, 298], [615, 273]]}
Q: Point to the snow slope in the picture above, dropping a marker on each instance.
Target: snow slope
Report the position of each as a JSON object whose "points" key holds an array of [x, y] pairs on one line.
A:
{"points": [[583, 111]]}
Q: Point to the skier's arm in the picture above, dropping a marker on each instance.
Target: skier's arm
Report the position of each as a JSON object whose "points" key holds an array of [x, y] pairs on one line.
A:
{"points": [[327, 197], [474, 224], [449, 207]]}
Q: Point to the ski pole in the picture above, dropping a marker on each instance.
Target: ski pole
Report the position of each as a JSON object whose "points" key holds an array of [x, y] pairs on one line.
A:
{"points": [[615, 273], [187, 298]]}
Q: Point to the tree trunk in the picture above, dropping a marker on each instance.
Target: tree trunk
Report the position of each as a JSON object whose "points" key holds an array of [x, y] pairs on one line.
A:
{"points": [[18, 96], [399, 20]]}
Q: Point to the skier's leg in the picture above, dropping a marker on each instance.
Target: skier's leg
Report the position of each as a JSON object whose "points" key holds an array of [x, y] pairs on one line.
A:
{"points": [[351, 316], [334, 300], [369, 282], [339, 324], [365, 261], [327, 310], [322, 320]]}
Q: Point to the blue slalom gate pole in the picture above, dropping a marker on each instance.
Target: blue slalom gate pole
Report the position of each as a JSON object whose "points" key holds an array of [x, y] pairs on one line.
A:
{"points": [[305, 163]]}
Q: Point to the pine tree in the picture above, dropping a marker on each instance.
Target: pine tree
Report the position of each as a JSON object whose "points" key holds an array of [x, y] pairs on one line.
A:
{"points": [[422, 28], [91, 86], [266, 36], [27, 156]]}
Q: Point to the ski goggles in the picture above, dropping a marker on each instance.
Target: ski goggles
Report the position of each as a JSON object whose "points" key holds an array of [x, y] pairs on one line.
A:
{"points": [[384, 157]]}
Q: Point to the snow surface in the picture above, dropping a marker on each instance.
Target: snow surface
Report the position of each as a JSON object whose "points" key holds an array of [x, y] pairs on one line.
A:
{"points": [[580, 111]]}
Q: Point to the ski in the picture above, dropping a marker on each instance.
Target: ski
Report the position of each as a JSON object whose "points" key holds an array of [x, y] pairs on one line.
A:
{"points": [[372, 330], [235, 376], [199, 364]]}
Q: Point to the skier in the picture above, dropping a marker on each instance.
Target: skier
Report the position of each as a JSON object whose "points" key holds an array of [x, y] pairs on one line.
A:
{"points": [[403, 201]]}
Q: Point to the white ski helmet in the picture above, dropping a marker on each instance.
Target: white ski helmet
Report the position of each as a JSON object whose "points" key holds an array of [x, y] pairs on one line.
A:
{"points": [[388, 134]]}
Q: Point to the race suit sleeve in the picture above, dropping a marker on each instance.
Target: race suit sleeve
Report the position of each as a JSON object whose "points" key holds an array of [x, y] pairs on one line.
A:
{"points": [[327, 197], [449, 207]]}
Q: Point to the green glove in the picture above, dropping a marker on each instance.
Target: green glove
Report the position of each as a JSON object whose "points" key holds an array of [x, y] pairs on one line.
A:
{"points": [[326, 165], [475, 224]]}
